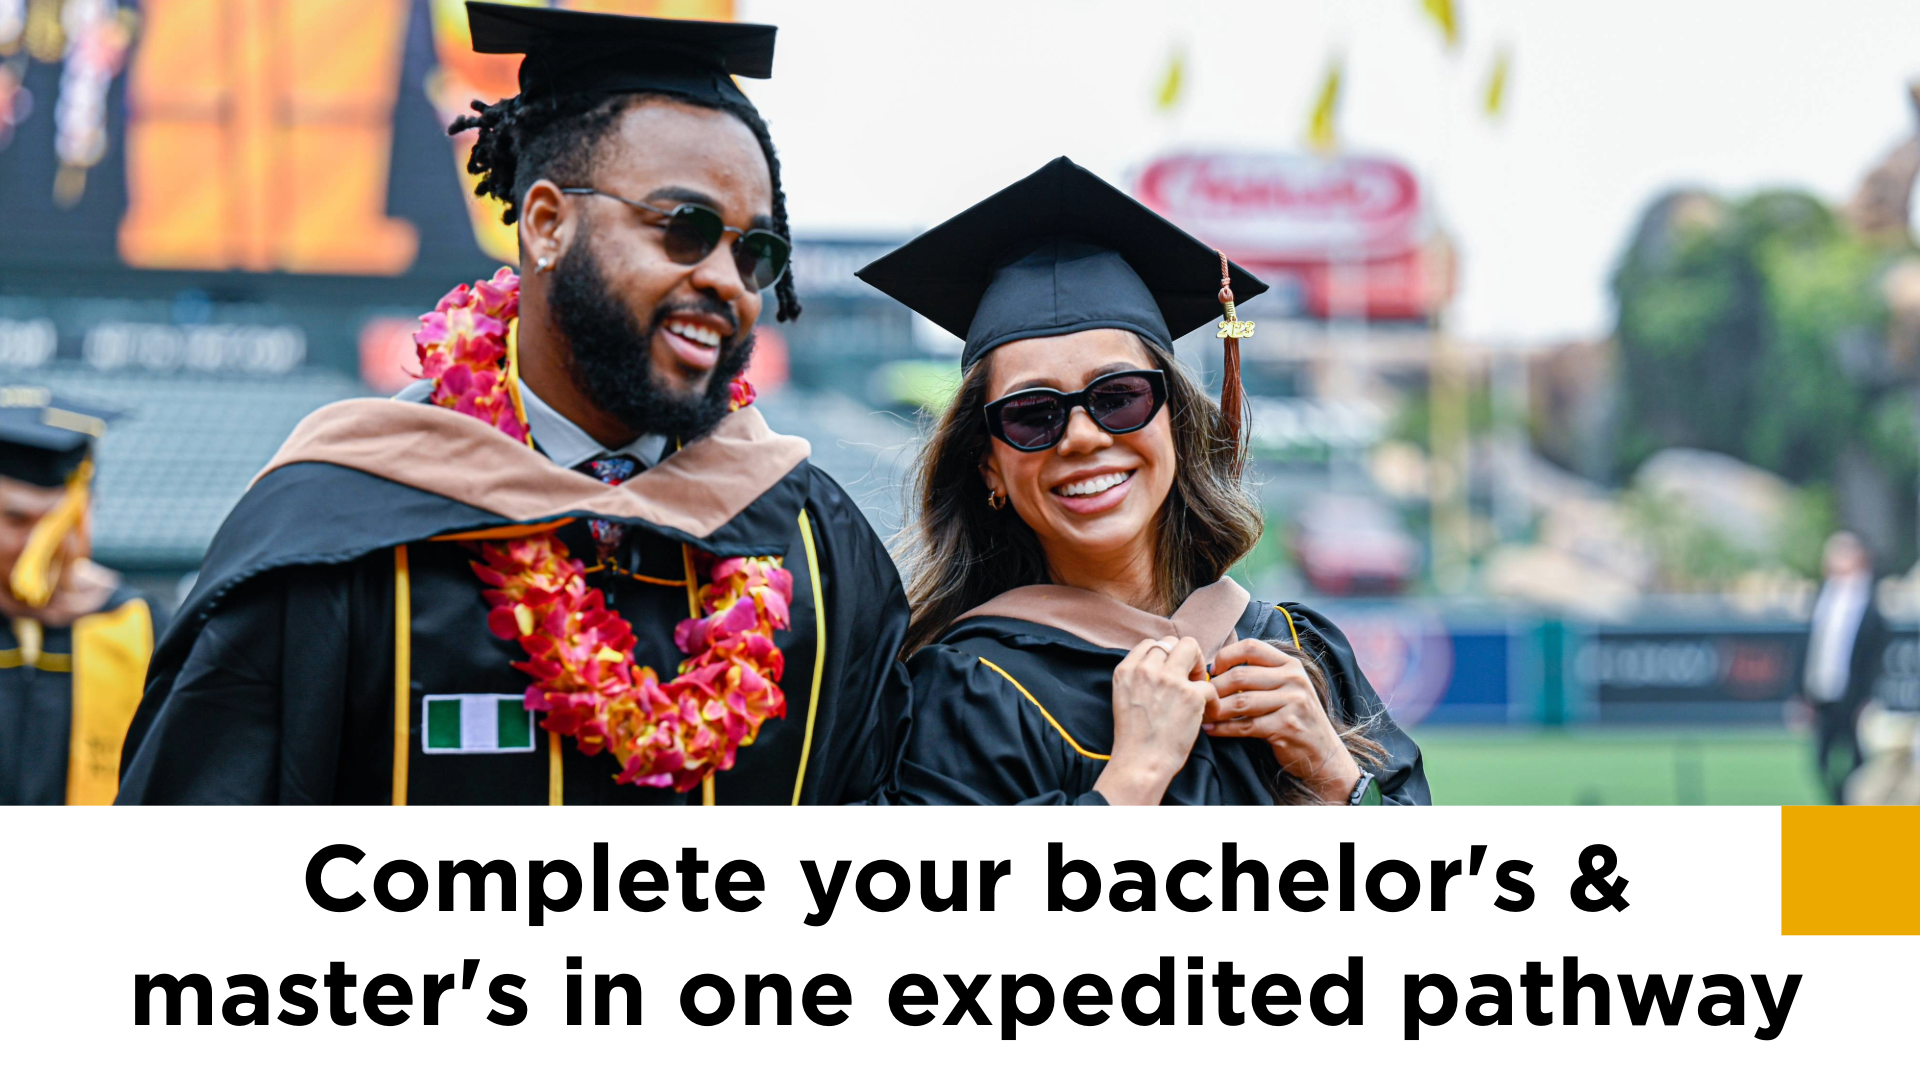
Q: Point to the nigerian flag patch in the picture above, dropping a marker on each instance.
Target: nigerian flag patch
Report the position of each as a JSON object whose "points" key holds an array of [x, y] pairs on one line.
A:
{"points": [[475, 724]]}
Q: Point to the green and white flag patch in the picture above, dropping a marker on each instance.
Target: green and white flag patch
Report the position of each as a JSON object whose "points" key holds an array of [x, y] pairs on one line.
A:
{"points": [[475, 724]]}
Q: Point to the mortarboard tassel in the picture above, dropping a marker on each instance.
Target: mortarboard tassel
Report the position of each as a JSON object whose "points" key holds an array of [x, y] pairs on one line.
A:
{"points": [[1233, 403], [35, 573]]}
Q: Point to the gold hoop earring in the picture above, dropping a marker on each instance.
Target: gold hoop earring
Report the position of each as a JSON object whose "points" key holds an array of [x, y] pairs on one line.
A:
{"points": [[995, 500]]}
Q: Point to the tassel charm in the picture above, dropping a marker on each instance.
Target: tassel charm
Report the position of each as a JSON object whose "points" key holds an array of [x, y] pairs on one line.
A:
{"points": [[1232, 327], [1233, 404]]}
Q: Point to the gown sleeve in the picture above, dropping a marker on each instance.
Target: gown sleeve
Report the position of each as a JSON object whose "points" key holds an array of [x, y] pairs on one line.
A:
{"points": [[1402, 777], [865, 694], [977, 740], [254, 711]]}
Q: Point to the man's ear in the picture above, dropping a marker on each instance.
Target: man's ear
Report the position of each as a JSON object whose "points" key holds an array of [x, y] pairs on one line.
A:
{"points": [[548, 223]]}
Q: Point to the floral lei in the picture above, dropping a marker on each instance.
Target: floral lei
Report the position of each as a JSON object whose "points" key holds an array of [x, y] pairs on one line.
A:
{"points": [[579, 653]]}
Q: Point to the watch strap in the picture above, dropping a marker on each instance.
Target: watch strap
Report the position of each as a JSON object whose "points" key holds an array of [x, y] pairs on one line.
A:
{"points": [[1365, 793]]}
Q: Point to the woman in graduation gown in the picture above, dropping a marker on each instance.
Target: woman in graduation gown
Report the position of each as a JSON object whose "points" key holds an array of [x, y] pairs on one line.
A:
{"points": [[1075, 638]]}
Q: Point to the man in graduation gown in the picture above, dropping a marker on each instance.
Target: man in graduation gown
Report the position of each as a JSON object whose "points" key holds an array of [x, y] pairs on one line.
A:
{"points": [[340, 645], [76, 640]]}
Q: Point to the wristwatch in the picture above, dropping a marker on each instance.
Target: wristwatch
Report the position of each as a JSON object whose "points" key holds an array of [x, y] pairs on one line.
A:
{"points": [[1365, 793]]}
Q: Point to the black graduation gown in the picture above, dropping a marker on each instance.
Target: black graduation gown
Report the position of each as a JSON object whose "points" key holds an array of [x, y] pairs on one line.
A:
{"points": [[1011, 710], [278, 680], [37, 714]]}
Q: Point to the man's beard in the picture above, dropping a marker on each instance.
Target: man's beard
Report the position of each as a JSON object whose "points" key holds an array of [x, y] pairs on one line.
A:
{"points": [[613, 354]]}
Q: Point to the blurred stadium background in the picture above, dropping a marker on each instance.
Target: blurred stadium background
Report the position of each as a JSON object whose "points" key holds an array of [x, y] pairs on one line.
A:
{"points": [[1581, 572]]}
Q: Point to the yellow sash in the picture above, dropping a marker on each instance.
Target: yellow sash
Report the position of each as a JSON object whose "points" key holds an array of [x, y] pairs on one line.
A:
{"points": [[110, 654]]}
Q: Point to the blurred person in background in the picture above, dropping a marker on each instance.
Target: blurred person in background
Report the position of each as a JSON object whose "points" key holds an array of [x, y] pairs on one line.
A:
{"points": [[575, 505], [76, 640], [1075, 639], [1845, 643]]}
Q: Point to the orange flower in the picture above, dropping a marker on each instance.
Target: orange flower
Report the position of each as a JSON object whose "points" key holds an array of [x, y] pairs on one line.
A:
{"points": [[462, 343]]}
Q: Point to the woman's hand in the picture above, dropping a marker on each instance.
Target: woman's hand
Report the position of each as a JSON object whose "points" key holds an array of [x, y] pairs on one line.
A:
{"points": [[1160, 693], [1263, 693]]}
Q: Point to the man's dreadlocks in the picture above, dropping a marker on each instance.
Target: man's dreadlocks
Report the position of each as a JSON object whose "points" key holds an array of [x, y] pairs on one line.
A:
{"points": [[555, 138]]}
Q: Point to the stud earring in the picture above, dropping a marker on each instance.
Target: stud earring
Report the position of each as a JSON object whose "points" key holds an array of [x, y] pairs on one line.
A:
{"points": [[543, 265], [996, 500]]}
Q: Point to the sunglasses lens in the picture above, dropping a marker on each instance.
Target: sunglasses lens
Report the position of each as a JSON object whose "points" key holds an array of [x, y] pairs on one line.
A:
{"points": [[691, 233], [1122, 404], [762, 258], [1033, 422]]}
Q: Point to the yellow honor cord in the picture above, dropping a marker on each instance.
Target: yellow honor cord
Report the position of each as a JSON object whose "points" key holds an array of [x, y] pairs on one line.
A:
{"points": [[513, 379], [33, 575], [402, 672]]}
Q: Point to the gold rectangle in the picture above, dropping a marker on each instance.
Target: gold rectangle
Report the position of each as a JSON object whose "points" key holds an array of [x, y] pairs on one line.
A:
{"points": [[1851, 870]]}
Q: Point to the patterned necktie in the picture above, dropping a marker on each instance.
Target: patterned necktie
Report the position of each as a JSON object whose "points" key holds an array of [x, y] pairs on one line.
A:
{"points": [[609, 469]]}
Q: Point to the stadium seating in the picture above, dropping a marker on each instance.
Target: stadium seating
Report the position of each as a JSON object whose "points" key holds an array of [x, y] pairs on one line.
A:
{"points": [[172, 467]]}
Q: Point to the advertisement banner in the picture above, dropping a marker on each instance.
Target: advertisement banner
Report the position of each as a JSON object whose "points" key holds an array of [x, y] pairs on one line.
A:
{"points": [[956, 942]]}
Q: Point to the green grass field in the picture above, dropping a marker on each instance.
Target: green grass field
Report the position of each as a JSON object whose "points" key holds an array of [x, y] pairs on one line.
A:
{"points": [[1697, 766]]}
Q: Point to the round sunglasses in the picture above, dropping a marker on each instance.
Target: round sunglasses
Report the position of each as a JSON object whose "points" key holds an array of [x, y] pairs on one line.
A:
{"points": [[1036, 419], [693, 231]]}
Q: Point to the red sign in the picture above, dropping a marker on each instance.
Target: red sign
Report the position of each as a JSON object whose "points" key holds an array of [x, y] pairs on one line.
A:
{"points": [[1288, 208]]}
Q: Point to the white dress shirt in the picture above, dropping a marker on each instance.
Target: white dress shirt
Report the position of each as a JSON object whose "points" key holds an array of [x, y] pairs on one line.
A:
{"points": [[562, 440], [1836, 623]]}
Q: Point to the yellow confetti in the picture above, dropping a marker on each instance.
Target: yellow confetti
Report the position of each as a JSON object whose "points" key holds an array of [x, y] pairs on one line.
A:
{"points": [[1173, 83], [1496, 102], [1446, 17], [1321, 127]]}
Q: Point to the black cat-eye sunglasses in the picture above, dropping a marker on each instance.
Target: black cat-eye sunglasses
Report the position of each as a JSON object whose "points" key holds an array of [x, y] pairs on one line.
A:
{"points": [[1036, 419]]}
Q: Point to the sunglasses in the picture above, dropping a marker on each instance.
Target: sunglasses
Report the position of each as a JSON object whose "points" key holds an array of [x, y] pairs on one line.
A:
{"points": [[693, 231], [1033, 420]]}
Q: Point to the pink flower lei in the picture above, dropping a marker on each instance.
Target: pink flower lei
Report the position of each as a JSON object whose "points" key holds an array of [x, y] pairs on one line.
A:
{"points": [[579, 653]]}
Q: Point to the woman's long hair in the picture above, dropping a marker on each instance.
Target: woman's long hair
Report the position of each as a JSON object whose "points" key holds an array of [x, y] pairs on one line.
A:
{"points": [[962, 553]]}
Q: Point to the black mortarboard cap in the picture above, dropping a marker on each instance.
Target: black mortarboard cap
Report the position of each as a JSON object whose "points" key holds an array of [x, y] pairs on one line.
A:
{"points": [[43, 438], [1056, 253], [581, 51]]}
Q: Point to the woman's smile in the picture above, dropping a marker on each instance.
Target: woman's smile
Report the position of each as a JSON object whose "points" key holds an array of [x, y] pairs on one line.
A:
{"points": [[1093, 492]]}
